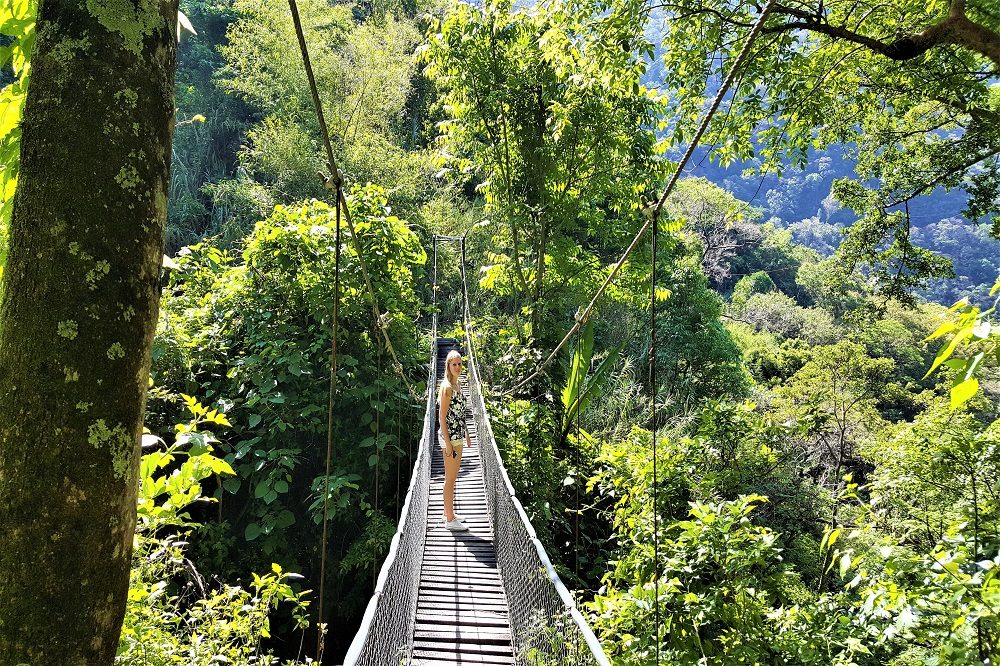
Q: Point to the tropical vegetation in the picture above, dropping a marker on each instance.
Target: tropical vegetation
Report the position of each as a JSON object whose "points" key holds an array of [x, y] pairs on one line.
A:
{"points": [[809, 476]]}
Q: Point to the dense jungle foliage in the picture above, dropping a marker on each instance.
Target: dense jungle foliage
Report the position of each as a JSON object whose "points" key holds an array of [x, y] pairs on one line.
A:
{"points": [[826, 430]]}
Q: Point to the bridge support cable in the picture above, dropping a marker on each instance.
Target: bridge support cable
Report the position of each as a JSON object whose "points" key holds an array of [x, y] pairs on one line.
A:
{"points": [[385, 637], [543, 614], [332, 398], [652, 387]]}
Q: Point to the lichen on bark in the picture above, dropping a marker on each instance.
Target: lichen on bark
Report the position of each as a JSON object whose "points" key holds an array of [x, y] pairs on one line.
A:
{"points": [[132, 21]]}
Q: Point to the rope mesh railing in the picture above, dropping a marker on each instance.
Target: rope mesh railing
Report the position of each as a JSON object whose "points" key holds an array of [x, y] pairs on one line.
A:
{"points": [[386, 632], [546, 627]]}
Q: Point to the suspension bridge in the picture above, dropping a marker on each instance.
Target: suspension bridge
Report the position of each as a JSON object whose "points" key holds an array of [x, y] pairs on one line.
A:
{"points": [[487, 596]]}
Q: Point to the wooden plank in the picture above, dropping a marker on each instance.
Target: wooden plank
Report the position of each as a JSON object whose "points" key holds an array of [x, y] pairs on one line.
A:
{"points": [[471, 563], [454, 560], [463, 648], [476, 616], [459, 577], [475, 613], [471, 567], [462, 589], [460, 583], [462, 575], [464, 579], [438, 617], [445, 660], [461, 604], [464, 635], [491, 584], [438, 658], [463, 597], [428, 605]]}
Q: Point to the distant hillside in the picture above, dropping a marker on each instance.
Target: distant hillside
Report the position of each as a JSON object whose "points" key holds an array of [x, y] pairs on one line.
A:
{"points": [[800, 201], [797, 195]]}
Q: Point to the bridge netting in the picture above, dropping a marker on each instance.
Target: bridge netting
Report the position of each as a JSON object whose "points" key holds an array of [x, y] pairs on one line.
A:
{"points": [[546, 626]]}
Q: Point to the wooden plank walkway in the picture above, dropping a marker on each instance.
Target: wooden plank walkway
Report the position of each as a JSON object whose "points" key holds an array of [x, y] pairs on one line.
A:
{"points": [[461, 607]]}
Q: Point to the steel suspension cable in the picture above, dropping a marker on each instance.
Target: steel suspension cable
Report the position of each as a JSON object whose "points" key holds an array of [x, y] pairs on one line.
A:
{"points": [[578, 480], [378, 458], [652, 387], [579, 408], [329, 437], [335, 182], [653, 214]]}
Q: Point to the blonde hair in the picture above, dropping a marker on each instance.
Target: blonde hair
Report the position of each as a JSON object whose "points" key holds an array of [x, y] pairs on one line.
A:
{"points": [[454, 353]]}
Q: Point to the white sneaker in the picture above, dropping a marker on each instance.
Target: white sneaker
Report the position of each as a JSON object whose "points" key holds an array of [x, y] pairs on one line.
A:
{"points": [[456, 526]]}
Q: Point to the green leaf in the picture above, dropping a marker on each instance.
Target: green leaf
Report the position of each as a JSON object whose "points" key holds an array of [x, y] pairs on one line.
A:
{"points": [[963, 391], [220, 466], [944, 328], [845, 564], [251, 532], [945, 353]]}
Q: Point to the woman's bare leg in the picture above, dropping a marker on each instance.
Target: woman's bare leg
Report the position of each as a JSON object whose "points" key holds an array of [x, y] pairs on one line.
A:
{"points": [[451, 466]]}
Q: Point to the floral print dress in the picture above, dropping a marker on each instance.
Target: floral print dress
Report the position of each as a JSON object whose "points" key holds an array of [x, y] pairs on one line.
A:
{"points": [[455, 419]]}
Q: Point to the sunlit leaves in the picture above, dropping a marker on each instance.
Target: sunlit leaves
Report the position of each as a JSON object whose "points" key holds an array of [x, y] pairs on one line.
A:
{"points": [[972, 330], [163, 497], [17, 20]]}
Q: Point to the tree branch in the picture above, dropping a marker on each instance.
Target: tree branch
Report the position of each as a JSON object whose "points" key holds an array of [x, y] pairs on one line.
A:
{"points": [[955, 29]]}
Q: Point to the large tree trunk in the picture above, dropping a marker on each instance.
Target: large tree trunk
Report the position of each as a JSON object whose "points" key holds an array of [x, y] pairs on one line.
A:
{"points": [[77, 315]]}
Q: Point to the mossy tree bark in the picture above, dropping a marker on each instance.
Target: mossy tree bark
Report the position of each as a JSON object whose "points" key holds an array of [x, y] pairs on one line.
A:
{"points": [[77, 315]]}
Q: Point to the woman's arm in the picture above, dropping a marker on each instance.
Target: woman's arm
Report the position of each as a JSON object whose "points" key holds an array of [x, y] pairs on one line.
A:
{"points": [[445, 399]]}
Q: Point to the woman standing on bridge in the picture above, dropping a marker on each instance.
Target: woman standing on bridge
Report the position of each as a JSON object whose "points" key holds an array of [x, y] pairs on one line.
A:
{"points": [[453, 434]]}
